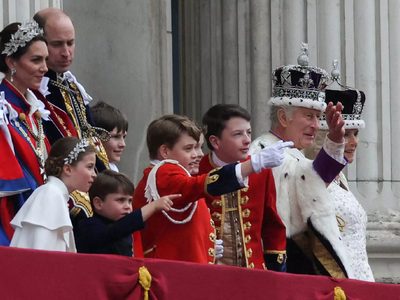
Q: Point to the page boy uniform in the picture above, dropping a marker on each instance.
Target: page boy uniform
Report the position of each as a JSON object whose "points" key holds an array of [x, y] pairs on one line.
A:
{"points": [[186, 232], [247, 221]]}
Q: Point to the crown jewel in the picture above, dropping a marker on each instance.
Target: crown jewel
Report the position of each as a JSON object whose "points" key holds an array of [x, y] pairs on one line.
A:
{"points": [[300, 85], [73, 155], [25, 33], [352, 99]]}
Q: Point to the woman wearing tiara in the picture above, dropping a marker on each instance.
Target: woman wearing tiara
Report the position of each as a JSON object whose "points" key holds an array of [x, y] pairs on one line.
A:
{"points": [[351, 216], [23, 144]]}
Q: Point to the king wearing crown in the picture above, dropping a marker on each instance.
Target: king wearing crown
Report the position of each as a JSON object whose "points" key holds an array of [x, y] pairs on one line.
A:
{"points": [[314, 244]]}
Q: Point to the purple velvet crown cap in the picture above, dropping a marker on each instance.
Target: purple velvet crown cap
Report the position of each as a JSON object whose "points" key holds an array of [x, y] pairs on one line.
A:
{"points": [[353, 104], [299, 85], [348, 98]]}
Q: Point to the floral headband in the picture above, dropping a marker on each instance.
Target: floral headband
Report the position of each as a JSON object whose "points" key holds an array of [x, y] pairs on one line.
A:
{"points": [[73, 155], [25, 33]]}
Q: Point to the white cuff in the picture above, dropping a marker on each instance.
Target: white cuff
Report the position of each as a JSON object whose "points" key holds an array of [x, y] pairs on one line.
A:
{"points": [[335, 150], [242, 181]]}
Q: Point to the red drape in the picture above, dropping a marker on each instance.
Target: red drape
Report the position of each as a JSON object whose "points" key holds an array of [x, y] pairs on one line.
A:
{"points": [[31, 274]]}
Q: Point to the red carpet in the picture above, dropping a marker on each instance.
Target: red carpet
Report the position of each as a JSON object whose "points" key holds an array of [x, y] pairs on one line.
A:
{"points": [[30, 274]]}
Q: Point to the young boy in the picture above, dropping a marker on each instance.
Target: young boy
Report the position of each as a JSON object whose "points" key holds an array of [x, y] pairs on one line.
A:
{"points": [[115, 122], [185, 233], [245, 219], [110, 229]]}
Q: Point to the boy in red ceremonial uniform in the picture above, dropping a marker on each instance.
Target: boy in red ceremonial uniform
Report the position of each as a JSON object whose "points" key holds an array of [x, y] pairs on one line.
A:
{"points": [[186, 232], [246, 220]]}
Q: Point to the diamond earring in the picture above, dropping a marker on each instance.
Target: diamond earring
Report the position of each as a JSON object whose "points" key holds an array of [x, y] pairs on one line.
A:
{"points": [[12, 73]]}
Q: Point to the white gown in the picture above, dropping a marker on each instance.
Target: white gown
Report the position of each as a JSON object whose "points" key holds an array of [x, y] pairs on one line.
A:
{"points": [[354, 232], [43, 222]]}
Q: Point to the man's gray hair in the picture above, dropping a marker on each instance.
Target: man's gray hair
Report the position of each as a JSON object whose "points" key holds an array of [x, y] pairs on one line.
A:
{"points": [[288, 109]]}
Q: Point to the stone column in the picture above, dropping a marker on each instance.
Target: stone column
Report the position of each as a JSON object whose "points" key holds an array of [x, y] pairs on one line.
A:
{"points": [[260, 62], [121, 58]]}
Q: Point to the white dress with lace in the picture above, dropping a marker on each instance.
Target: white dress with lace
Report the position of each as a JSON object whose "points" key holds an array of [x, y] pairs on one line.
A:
{"points": [[349, 210]]}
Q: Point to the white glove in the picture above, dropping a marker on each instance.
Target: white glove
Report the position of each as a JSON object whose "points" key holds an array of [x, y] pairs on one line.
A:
{"points": [[270, 157], [219, 249]]}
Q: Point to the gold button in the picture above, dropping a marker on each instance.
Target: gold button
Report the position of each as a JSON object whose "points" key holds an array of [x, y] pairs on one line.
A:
{"points": [[211, 251], [247, 226], [244, 200], [216, 216], [249, 252], [246, 213], [247, 239], [212, 237], [216, 203]]}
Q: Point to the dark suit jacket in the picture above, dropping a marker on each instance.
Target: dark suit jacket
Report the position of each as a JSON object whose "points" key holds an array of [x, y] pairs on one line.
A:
{"points": [[103, 236]]}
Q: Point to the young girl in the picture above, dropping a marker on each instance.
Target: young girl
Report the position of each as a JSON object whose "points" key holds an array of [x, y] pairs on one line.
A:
{"points": [[43, 222]]}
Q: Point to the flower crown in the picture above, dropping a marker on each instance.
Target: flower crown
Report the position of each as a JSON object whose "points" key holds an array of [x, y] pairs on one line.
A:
{"points": [[79, 147], [25, 33]]}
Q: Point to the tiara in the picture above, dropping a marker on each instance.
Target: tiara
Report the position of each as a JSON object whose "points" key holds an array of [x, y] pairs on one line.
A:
{"points": [[79, 147], [299, 85], [25, 33]]}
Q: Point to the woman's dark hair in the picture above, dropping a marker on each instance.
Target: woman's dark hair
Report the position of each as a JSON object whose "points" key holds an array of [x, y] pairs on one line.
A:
{"points": [[5, 37], [60, 150]]}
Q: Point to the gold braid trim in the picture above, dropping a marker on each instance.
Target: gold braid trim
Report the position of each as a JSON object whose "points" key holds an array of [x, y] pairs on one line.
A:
{"points": [[82, 201], [145, 281], [71, 113], [325, 258], [77, 113], [60, 119]]}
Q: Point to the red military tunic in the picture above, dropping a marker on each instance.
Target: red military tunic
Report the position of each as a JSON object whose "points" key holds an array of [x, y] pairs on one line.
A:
{"points": [[258, 223], [193, 241]]}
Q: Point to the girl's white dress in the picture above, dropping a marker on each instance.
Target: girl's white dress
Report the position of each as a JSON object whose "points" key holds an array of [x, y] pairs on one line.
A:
{"points": [[349, 210], [43, 222]]}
